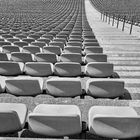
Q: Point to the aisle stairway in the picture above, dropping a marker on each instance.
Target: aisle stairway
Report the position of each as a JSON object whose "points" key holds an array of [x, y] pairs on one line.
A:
{"points": [[122, 49]]}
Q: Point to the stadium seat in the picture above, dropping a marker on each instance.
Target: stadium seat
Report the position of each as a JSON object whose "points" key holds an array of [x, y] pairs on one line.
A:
{"points": [[73, 50], [95, 57], [44, 40], [12, 39], [117, 122], [88, 50], [20, 43], [74, 44], [39, 44], [53, 49], [7, 36], [64, 87], [34, 36], [4, 56], [20, 36], [57, 43], [12, 117], [67, 69], [10, 49], [99, 69], [4, 43], [47, 36], [46, 57], [28, 40], [31, 49], [38, 69], [24, 86], [105, 88], [22, 57], [71, 57], [55, 120], [9, 68]]}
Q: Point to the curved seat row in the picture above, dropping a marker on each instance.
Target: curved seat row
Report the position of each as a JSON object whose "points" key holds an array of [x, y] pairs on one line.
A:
{"points": [[62, 87], [53, 58], [63, 69], [64, 120]]}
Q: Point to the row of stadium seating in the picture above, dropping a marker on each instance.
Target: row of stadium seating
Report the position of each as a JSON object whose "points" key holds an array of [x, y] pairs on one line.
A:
{"points": [[65, 120], [62, 87]]}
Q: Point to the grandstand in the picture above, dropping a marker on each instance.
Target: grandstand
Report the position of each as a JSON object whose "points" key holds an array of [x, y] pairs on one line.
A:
{"points": [[66, 74]]}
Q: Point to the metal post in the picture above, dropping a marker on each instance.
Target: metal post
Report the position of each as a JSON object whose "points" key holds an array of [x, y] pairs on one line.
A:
{"points": [[131, 26], [113, 21], [103, 16], [109, 19], [118, 21], [106, 17], [124, 23]]}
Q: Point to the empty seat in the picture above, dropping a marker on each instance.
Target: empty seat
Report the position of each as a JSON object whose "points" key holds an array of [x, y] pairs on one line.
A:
{"points": [[4, 56], [31, 49], [38, 69], [10, 48], [24, 86], [4, 43], [99, 69], [60, 40], [20, 36], [47, 36], [73, 50], [44, 40], [46, 57], [12, 117], [22, 57], [91, 57], [64, 87], [12, 39], [55, 120], [67, 69], [53, 49], [117, 122], [74, 43], [71, 57], [105, 88], [88, 50], [39, 44], [8, 68], [7, 36], [28, 40], [92, 44], [20, 43], [34, 36], [57, 43]]}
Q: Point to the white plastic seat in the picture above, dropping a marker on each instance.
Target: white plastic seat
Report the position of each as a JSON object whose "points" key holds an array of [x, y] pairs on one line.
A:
{"points": [[24, 86], [57, 43], [71, 57], [63, 87], [22, 57], [55, 120], [31, 49], [20, 43], [10, 49], [53, 49], [74, 44], [28, 40], [4, 56], [73, 50], [39, 44], [95, 57], [67, 69], [105, 88], [46, 57], [117, 122], [4, 43], [99, 69], [9, 68], [12, 117], [38, 68], [88, 50]]}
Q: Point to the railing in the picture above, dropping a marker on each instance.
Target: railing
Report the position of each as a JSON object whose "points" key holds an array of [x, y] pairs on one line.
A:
{"points": [[118, 18]]}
